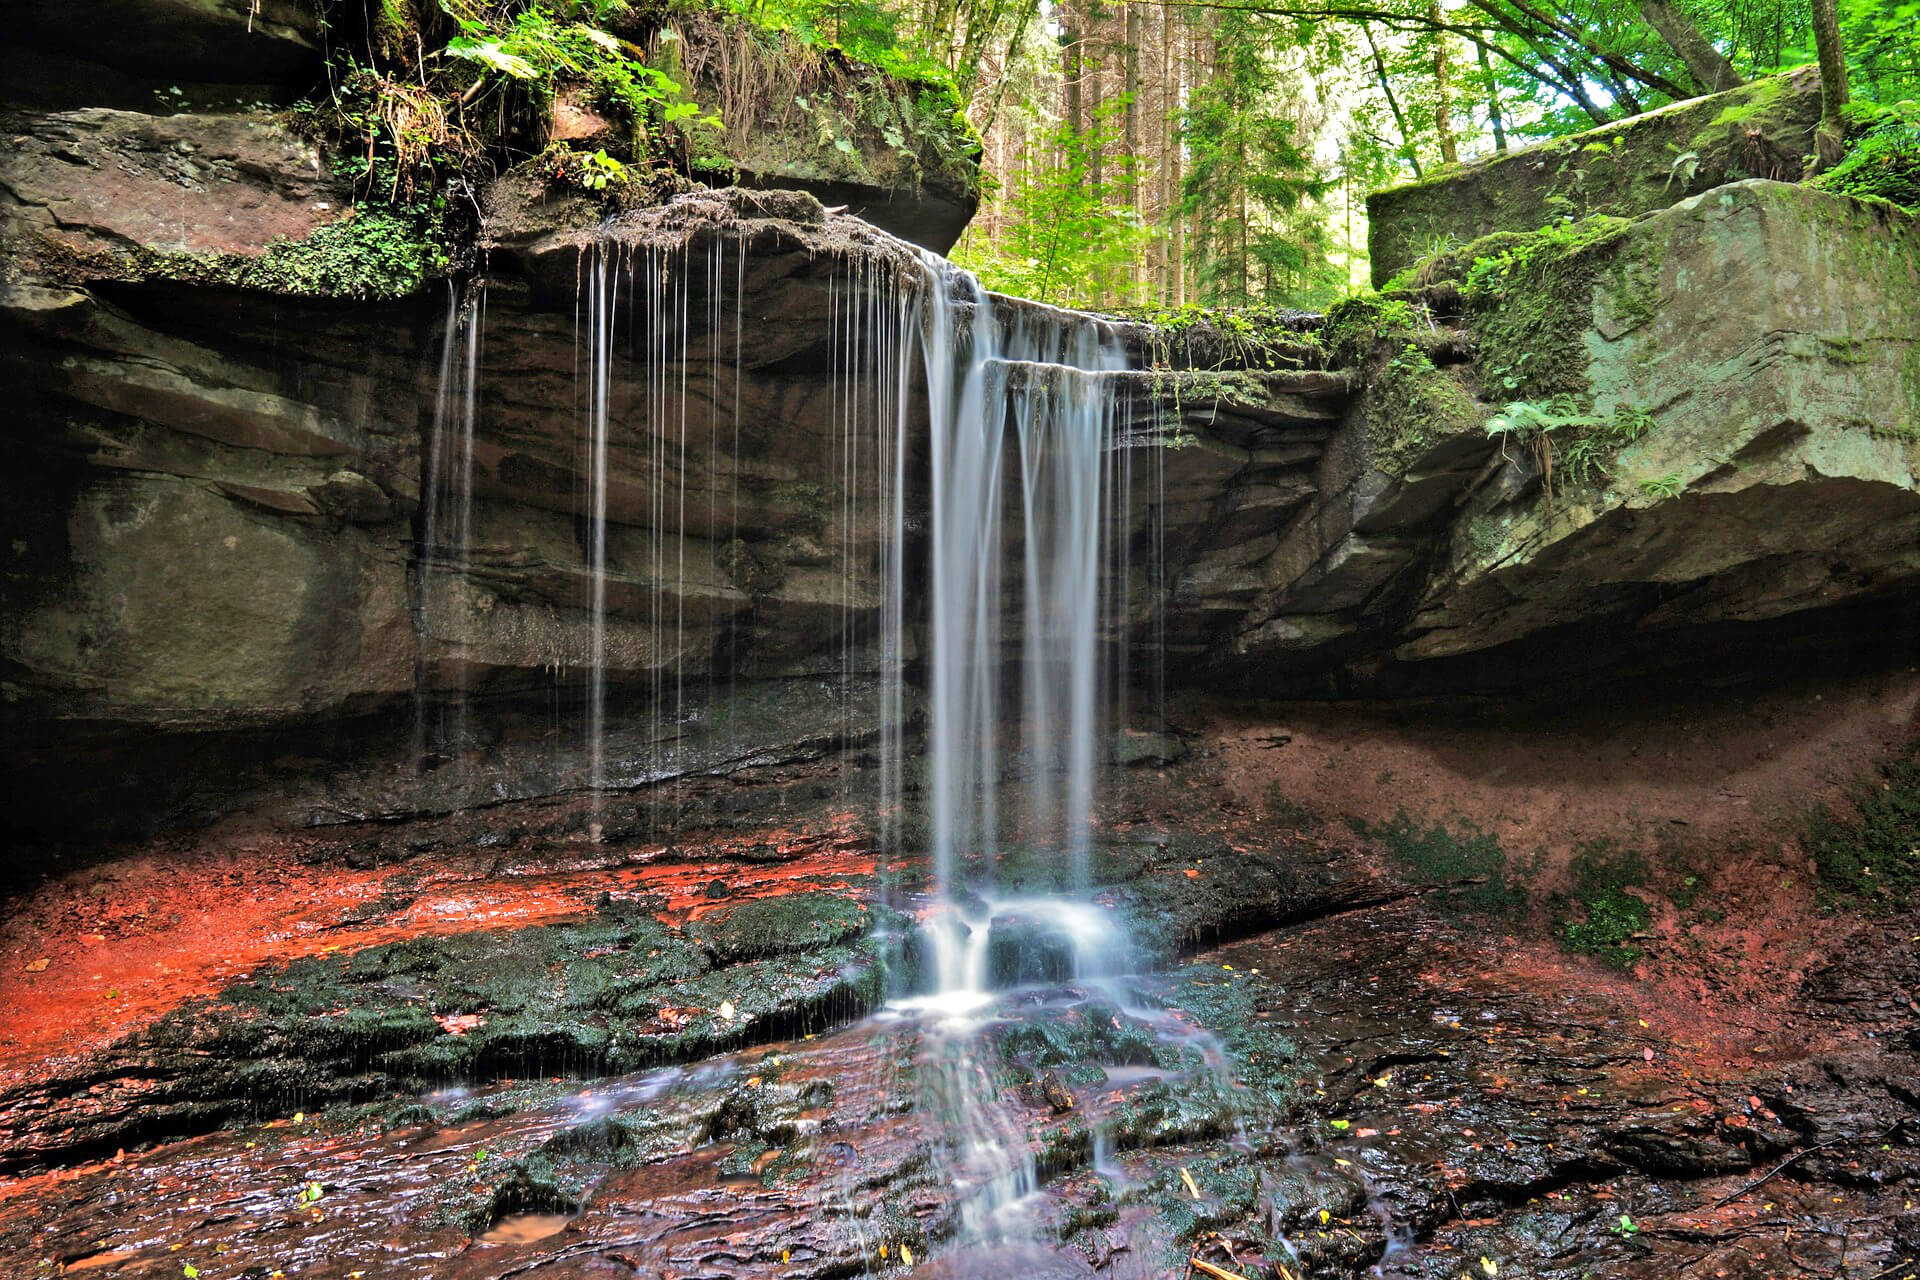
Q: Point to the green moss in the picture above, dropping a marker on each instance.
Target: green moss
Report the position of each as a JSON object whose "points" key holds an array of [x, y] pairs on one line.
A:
{"points": [[1600, 917], [1530, 308], [613, 993], [1410, 405], [1356, 327], [1752, 103], [376, 253], [1882, 162], [1871, 856], [1470, 862], [782, 924]]}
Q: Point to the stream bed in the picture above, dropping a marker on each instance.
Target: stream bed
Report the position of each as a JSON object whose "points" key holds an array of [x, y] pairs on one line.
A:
{"points": [[1376, 1091]]}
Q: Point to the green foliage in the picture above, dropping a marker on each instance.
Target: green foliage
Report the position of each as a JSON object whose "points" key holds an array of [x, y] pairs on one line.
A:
{"points": [[1193, 336], [1565, 439], [1600, 917], [378, 251], [1882, 161], [1248, 182], [541, 49], [1071, 236], [1669, 485], [1469, 860], [1872, 855], [867, 30], [1356, 326]]}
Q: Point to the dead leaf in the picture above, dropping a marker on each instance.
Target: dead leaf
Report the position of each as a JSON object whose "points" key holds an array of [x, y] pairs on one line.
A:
{"points": [[39, 965]]}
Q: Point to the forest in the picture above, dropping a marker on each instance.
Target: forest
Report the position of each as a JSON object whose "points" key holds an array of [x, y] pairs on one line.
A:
{"points": [[1217, 152]]}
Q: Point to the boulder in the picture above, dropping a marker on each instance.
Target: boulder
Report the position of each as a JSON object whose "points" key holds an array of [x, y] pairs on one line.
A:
{"points": [[1647, 162]]}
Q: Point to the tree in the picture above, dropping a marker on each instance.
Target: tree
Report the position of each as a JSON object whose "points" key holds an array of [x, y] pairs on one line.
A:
{"points": [[1709, 68], [1248, 179], [1830, 138]]}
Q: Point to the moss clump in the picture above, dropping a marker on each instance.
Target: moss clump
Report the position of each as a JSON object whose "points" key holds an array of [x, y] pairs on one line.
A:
{"points": [[1451, 264], [1470, 861], [1882, 162], [1530, 307], [616, 992], [1600, 917], [781, 925], [1355, 328], [376, 253], [1872, 857], [1411, 405], [1197, 337]]}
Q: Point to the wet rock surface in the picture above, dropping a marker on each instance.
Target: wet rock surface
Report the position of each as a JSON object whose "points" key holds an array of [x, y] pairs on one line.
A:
{"points": [[1377, 1088]]}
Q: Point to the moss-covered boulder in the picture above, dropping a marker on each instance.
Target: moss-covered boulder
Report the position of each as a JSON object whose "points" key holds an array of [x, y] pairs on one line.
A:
{"points": [[1647, 162], [1742, 372], [236, 200], [1613, 440]]}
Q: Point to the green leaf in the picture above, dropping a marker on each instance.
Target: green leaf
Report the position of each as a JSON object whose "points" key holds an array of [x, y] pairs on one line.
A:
{"points": [[610, 43], [490, 53]]}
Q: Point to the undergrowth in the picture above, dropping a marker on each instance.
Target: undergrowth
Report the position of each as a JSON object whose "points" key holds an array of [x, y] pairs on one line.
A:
{"points": [[1599, 916], [1473, 870], [1871, 857], [1883, 161]]}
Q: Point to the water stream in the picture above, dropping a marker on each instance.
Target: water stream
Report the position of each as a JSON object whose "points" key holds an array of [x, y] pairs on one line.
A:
{"points": [[1006, 416]]}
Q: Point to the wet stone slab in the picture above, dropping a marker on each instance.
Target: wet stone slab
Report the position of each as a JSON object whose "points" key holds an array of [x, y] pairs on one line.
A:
{"points": [[1375, 1092]]}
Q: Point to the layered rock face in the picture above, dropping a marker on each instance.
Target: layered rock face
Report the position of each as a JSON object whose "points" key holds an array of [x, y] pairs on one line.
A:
{"points": [[238, 396], [1700, 421]]}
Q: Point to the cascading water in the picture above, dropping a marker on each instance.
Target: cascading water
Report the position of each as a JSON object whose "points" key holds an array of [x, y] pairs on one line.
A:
{"points": [[1024, 567], [1024, 483], [446, 530], [1019, 380]]}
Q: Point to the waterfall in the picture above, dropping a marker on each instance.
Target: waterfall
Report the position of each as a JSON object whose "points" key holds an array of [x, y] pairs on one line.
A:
{"points": [[1026, 475], [1021, 437], [1005, 604], [446, 533]]}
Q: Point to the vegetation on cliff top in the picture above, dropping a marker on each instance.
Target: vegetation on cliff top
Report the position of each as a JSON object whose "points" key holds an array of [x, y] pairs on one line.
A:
{"points": [[1871, 856], [1883, 159]]}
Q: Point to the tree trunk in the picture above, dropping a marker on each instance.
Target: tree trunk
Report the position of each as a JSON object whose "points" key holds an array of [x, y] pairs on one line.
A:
{"points": [[1131, 160], [1494, 116], [1442, 91], [1830, 138], [1710, 71], [1170, 152], [1093, 70], [1070, 67], [1393, 103]]}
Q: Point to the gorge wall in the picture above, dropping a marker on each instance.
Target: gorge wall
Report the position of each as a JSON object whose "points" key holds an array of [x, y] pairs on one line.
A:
{"points": [[228, 382]]}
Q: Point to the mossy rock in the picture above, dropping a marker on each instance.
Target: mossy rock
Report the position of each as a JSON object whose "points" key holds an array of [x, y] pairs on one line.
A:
{"points": [[1635, 166], [616, 992], [1411, 405], [1882, 161], [781, 925]]}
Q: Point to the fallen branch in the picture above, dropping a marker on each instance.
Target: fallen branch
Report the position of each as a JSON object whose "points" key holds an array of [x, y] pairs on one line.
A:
{"points": [[1218, 1273], [1798, 1156]]}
